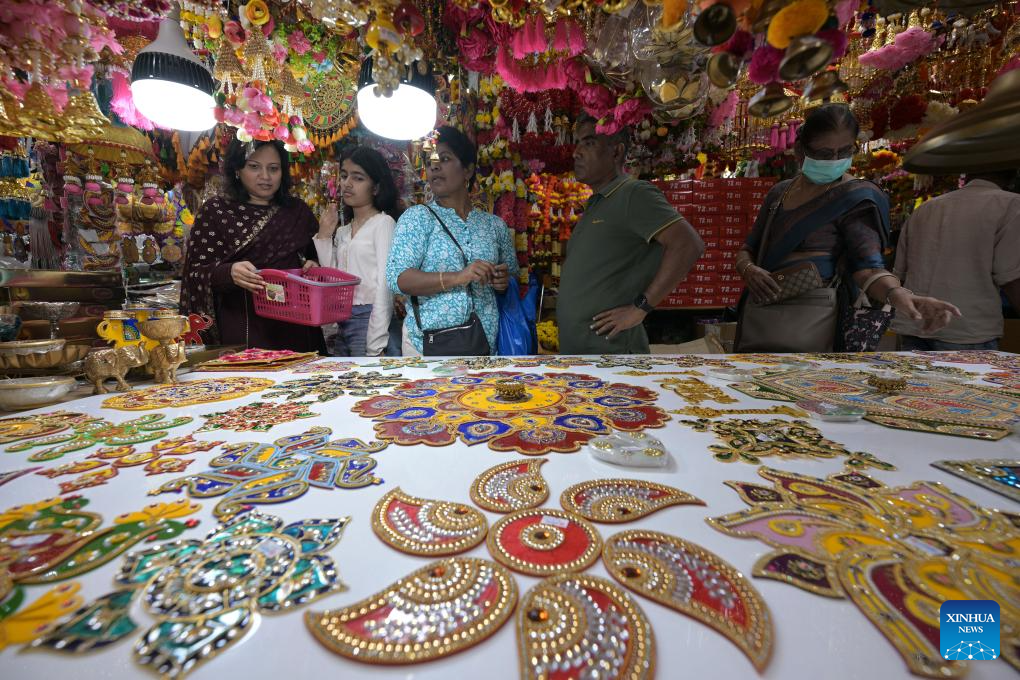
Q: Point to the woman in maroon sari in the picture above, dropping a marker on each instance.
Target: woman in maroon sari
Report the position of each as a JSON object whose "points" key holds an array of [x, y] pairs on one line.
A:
{"points": [[258, 225]]}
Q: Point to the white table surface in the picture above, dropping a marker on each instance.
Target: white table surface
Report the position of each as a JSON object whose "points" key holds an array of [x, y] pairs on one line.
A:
{"points": [[814, 635]]}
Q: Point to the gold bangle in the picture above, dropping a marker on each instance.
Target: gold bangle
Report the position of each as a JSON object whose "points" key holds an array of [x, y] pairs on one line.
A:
{"points": [[441, 284]]}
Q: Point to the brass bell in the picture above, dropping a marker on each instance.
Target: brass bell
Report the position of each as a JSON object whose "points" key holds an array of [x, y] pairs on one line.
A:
{"points": [[723, 69], [715, 25], [806, 56], [769, 101], [824, 86]]}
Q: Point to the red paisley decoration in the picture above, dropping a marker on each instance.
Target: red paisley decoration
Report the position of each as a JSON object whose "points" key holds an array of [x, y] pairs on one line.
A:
{"points": [[541, 541]]}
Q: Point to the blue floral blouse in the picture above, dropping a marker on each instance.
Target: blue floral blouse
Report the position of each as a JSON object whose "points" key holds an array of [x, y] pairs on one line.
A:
{"points": [[420, 243]]}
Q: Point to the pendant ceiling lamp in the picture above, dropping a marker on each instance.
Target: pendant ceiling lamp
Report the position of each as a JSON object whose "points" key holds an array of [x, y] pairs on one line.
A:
{"points": [[409, 113], [169, 85]]}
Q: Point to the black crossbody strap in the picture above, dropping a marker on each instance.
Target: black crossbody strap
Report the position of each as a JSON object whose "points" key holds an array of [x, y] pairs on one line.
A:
{"points": [[414, 298]]}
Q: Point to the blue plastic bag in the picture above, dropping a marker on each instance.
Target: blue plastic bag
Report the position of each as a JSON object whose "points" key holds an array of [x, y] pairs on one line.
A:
{"points": [[516, 333]]}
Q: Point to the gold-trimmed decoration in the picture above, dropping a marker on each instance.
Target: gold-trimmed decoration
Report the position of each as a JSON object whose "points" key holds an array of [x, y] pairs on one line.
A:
{"points": [[694, 390], [693, 581], [751, 440], [611, 501], [1000, 476], [581, 626], [708, 412], [427, 527], [544, 541], [444, 607], [187, 393], [517, 485]]}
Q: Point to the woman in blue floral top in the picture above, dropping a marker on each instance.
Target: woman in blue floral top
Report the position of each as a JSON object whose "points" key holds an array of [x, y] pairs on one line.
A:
{"points": [[426, 263]]}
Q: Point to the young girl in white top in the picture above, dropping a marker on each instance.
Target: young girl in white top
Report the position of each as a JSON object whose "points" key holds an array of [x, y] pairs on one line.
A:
{"points": [[361, 247]]}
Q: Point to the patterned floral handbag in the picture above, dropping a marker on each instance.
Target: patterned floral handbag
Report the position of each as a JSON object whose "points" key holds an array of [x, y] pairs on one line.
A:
{"points": [[864, 325]]}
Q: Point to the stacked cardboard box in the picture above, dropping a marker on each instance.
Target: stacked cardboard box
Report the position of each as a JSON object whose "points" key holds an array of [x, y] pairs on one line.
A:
{"points": [[722, 211]]}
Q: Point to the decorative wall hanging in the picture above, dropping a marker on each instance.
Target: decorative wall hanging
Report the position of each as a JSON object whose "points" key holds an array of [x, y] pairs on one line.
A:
{"points": [[28, 427], [259, 416], [752, 440], [580, 626], [187, 393], [443, 608], [420, 526], [19, 625], [542, 542], [693, 581], [205, 595], [708, 412], [517, 485], [253, 473], [844, 535], [164, 457], [87, 434], [325, 366], [630, 449], [327, 388], [695, 391], [924, 404], [621, 500], [1000, 476], [55, 539], [558, 412]]}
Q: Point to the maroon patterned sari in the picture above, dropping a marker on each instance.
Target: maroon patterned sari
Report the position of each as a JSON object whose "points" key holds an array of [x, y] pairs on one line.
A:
{"points": [[268, 236]]}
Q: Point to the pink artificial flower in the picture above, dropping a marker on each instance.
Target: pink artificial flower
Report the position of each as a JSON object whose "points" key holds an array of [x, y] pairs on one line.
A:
{"points": [[234, 33], [764, 67], [233, 116], [632, 111], [281, 132], [298, 42], [16, 87], [252, 123], [738, 45], [58, 95], [305, 146], [845, 10], [597, 100], [279, 52], [837, 38], [475, 49]]}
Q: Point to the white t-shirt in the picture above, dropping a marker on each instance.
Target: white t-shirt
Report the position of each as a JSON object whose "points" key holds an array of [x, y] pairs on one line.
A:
{"points": [[365, 256]]}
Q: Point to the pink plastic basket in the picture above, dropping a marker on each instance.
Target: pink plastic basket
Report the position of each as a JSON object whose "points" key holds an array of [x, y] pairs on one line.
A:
{"points": [[319, 296]]}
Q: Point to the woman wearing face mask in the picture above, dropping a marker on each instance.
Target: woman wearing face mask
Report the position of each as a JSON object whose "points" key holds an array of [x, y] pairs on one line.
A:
{"points": [[447, 256], [257, 225], [826, 219], [361, 247]]}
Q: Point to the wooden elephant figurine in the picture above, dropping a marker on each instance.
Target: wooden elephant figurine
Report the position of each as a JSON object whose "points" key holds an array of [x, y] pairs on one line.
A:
{"points": [[104, 364], [165, 359]]}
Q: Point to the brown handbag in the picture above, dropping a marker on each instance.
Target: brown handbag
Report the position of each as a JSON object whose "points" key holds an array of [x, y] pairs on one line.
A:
{"points": [[804, 317]]}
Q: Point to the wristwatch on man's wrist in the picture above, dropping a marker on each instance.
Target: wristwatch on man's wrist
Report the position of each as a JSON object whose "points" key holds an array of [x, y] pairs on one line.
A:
{"points": [[641, 302]]}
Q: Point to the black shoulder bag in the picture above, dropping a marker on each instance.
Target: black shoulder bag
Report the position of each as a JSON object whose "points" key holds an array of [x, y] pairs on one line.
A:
{"points": [[465, 340]]}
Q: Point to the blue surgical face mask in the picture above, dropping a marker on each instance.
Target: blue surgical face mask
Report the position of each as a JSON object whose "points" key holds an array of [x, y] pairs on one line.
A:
{"points": [[824, 172]]}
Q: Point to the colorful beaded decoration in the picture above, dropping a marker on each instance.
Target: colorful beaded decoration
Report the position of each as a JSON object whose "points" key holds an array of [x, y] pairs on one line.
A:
{"points": [[542, 542], [695, 391], [611, 501], [27, 427], [1000, 476], [752, 440], [327, 388], [559, 412], [898, 553], [92, 432], [576, 626], [443, 608], [20, 625], [326, 366], [55, 539], [1009, 380], [695, 582], [258, 416], [11, 475], [254, 473], [206, 594], [965, 410], [563, 362], [506, 487], [425, 527], [254, 360], [707, 412], [396, 363], [187, 393], [103, 465]]}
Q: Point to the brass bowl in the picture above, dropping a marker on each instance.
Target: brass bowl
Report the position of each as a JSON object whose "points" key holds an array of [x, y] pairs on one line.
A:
{"points": [[62, 354], [164, 329], [511, 390]]}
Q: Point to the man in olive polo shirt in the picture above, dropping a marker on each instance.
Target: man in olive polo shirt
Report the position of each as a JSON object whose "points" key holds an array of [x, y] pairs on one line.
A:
{"points": [[629, 250]]}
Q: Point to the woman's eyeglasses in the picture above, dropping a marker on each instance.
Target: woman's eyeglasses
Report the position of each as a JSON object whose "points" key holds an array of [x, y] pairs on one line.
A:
{"points": [[831, 154]]}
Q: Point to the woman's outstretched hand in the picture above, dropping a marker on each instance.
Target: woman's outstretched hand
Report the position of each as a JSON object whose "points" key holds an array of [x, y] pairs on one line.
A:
{"points": [[936, 314]]}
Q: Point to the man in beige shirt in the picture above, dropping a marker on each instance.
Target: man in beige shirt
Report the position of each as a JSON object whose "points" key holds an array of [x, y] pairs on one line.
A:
{"points": [[963, 247]]}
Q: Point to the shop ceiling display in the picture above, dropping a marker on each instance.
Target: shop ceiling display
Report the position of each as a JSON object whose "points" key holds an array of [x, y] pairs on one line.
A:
{"points": [[923, 404], [207, 594], [187, 393], [254, 473], [896, 552], [529, 413]]}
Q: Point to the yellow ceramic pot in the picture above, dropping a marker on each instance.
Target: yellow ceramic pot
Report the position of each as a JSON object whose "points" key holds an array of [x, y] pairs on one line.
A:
{"points": [[121, 328]]}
